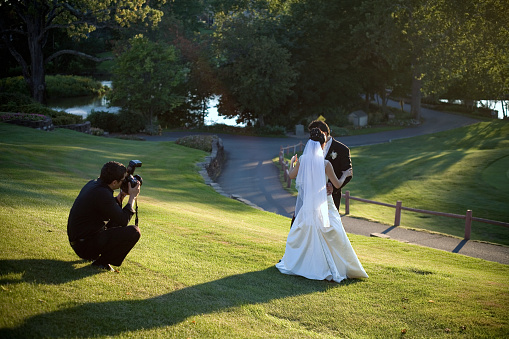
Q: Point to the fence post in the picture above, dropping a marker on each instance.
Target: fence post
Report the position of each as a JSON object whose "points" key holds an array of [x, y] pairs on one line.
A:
{"points": [[347, 202], [397, 218], [289, 180], [468, 224]]}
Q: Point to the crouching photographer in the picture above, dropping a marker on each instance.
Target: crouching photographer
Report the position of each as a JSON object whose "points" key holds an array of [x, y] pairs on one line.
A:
{"points": [[98, 227]]}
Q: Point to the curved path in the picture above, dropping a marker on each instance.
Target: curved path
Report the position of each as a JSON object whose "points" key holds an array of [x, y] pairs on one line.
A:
{"points": [[250, 174]]}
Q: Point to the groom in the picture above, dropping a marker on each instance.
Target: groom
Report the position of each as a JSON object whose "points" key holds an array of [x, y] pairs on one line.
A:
{"points": [[338, 155]]}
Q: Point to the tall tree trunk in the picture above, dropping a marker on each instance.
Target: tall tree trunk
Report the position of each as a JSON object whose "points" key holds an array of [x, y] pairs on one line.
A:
{"points": [[36, 39], [37, 80], [416, 93]]}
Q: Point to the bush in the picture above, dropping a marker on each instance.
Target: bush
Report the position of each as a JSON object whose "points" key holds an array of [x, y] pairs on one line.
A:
{"points": [[271, 130], [21, 116], [130, 122], [63, 86], [17, 102], [202, 142], [124, 122], [58, 86], [104, 120], [14, 85], [96, 131]]}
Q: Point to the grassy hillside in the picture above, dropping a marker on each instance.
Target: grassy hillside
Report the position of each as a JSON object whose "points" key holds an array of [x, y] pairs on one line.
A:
{"points": [[204, 267], [452, 172]]}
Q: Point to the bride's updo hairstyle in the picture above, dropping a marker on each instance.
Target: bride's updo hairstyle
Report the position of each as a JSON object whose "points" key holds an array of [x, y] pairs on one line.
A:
{"points": [[316, 135]]}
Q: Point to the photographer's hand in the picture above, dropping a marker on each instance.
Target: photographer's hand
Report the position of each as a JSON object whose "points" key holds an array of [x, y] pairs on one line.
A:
{"points": [[133, 192], [120, 197]]}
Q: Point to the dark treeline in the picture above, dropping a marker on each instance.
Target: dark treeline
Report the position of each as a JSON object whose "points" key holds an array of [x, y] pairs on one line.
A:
{"points": [[271, 62]]}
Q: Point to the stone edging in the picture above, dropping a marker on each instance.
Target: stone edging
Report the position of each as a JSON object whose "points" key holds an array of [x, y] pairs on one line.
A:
{"points": [[212, 167]]}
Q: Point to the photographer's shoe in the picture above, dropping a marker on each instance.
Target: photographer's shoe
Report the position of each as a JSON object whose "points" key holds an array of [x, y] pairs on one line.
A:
{"points": [[106, 267]]}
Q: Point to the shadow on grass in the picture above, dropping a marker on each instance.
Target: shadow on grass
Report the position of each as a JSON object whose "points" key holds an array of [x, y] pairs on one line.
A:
{"points": [[116, 317], [45, 271]]}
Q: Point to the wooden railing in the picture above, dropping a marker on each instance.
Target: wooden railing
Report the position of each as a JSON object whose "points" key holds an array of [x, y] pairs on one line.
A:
{"points": [[399, 205], [285, 167]]}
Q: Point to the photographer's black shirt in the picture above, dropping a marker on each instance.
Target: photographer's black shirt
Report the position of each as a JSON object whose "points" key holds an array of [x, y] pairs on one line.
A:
{"points": [[95, 207]]}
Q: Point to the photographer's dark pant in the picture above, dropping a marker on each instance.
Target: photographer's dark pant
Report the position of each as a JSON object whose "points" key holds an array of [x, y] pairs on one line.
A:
{"points": [[110, 246]]}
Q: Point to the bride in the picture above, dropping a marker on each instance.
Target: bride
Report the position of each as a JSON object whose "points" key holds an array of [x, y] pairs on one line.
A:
{"points": [[317, 246]]}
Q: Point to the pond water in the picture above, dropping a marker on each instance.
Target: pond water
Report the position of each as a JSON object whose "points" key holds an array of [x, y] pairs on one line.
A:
{"points": [[495, 105], [83, 106]]}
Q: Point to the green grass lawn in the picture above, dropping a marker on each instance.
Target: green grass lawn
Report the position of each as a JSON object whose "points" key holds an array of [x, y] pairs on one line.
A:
{"points": [[451, 172], [204, 267]]}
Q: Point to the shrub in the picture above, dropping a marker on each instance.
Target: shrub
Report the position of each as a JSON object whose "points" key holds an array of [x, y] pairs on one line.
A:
{"points": [[61, 86], [15, 85], [17, 102], [58, 86], [96, 131], [202, 142], [21, 116], [271, 130], [130, 122], [104, 120]]}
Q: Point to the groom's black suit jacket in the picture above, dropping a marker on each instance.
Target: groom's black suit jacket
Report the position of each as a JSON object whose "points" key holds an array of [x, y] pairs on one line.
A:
{"points": [[339, 157]]}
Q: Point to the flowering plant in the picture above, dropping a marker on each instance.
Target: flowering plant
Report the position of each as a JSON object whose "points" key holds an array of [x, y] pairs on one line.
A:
{"points": [[22, 116], [333, 155]]}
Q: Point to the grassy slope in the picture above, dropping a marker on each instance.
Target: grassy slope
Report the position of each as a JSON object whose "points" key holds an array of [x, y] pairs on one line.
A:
{"points": [[204, 264], [451, 172]]}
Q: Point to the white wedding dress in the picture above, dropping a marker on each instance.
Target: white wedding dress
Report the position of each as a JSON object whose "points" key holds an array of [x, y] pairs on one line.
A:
{"points": [[319, 249]]}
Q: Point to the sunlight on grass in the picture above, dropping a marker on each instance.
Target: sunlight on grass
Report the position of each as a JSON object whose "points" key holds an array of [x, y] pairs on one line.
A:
{"points": [[204, 266], [451, 172]]}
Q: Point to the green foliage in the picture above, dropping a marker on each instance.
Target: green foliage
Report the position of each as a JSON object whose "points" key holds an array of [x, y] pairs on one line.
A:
{"points": [[451, 172], [270, 130], [145, 78], [202, 142], [58, 86], [204, 266], [124, 122], [64, 86], [15, 85], [96, 131], [104, 120], [130, 122], [21, 116], [255, 69], [20, 103]]}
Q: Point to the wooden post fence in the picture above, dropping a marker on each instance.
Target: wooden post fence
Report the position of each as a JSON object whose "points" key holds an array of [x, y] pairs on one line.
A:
{"points": [[399, 207]]}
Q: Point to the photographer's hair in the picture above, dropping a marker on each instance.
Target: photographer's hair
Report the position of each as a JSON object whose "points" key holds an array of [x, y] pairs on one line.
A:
{"points": [[112, 171], [316, 135], [321, 125]]}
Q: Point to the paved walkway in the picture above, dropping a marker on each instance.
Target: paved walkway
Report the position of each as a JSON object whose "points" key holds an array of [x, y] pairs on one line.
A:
{"points": [[250, 175]]}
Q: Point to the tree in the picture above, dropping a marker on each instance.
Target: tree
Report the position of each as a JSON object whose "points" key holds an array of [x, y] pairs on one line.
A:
{"points": [[31, 21], [145, 78], [380, 49], [255, 71], [454, 42], [322, 50]]}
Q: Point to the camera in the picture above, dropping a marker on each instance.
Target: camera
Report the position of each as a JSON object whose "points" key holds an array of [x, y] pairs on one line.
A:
{"points": [[130, 178]]}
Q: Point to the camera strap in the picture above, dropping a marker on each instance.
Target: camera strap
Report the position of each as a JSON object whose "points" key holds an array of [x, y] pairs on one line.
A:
{"points": [[136, 219]]}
